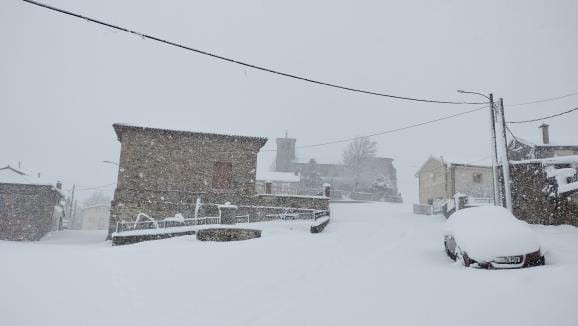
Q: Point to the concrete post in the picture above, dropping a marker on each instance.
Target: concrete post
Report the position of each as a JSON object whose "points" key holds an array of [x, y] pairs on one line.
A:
{"points": [[327, 190], [228, 214]]}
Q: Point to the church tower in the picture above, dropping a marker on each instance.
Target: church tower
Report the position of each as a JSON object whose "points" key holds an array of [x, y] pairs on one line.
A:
{"points": [[285, 154]]}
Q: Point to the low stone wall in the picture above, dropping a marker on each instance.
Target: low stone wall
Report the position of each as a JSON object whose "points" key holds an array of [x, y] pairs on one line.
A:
{"points": [[119, 240], [305, 202], [227, 234], [318, 228], [422, 209], [376, 197]]}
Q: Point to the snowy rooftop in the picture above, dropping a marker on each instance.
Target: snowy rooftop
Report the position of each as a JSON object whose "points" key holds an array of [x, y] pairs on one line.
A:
{"points": [[570, 159], [277, 176], [557, 142], [484, 162], [119, 128], [9, 174]]}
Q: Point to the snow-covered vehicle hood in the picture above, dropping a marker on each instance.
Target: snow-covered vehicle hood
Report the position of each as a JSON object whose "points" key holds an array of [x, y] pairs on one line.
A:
{"points": [[486, 233]]}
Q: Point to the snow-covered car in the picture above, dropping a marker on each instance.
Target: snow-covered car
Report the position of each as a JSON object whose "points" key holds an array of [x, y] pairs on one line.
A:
{"points": [[491, 237]]}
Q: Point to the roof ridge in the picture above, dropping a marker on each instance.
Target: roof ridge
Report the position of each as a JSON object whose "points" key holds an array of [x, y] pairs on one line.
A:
{"points": [[118, 127], [13, 169]]}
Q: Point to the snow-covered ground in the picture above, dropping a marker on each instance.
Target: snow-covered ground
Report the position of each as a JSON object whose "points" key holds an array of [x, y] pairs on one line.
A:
{"points": [[375, 264]]}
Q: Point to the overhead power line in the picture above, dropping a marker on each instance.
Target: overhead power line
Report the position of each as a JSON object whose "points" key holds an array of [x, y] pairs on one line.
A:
{"points": [[388, 131], [544, 118], [543, 100], [96, 187], [245, 64]]}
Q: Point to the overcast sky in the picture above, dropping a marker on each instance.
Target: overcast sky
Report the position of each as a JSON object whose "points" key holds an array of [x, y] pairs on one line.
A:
{"points": [[64, 81]]}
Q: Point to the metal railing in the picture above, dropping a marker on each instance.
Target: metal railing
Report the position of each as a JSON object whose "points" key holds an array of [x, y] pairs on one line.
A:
{"points": [[145, 222], [123, 226]]}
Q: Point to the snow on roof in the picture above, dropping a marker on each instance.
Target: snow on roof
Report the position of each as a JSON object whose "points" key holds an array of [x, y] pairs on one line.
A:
{"points": [[569, 159], [560, 141], [484, 163], [119, 128], [9, 174], [278, 176]]}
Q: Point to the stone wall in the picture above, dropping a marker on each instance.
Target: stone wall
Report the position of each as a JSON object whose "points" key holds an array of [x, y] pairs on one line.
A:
{"points": [[307, 202], [534, 199], [432, 182], [26, 211], [162, 172], [463, 177]]}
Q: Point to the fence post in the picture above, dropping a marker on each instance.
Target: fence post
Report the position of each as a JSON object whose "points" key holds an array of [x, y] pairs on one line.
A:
{"points": [[268, 187], [327, 190], [460, 201]]}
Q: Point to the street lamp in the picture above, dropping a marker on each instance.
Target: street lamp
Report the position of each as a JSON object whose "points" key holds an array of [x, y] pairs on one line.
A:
{"points": [[110, 162], [490, 98]]}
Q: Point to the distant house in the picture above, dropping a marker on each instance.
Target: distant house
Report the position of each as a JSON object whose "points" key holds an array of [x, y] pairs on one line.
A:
{"points": [[377, 180], [520, 149], [439, 180], [93, 217], [277, 183], [29, 207]]}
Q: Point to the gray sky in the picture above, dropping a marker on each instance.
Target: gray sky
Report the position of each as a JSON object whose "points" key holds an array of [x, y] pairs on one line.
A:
{"points": [[64, 81]]}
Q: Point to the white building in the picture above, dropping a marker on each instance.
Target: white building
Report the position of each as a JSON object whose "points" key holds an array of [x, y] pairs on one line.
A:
{"points": [[280, 183]]}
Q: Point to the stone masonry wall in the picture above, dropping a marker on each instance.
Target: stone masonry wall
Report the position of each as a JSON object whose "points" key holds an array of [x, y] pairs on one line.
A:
{"points": [[464, 181], [26, 211], [534, 202], [163, 172], [432, 182]]}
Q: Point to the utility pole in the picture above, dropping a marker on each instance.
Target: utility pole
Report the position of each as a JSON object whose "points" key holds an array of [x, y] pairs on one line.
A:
{"points": [[494, 146], [494, 151], [71, 207], [504, 161]]}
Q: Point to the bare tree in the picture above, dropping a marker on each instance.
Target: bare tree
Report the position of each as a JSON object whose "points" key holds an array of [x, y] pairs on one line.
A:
{"points": [[356, 154]]}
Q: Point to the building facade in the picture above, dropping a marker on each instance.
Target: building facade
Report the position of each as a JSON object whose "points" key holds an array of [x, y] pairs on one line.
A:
{"points": [[537, 193], [520, 149], [440, 180], [94, 217], [29, 207], [162, 172], [377, 179], [545, 191], [279, 183]]}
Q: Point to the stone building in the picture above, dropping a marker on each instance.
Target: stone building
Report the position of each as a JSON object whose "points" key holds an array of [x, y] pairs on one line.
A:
{"points": [[377, 180], [520, 149], [545, 191], [162, 172], [94, 217], [29, 207], [536, 195], [439, 180], [279, 183]]}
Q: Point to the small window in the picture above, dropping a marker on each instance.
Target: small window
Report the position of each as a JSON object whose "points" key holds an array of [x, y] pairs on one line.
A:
{"points": [[477, 178], [430, 201], [222, 175]]}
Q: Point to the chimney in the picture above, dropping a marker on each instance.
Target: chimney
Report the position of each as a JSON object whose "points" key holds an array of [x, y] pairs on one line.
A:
{"points": [[545, 134], [58, 185]]}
